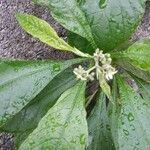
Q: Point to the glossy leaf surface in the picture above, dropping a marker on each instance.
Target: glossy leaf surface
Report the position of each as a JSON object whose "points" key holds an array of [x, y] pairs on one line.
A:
{"points": [[131, 119], [69, 14], [104, 86], [21, 81], [138, 54], [143, 88], [99, 127], [113, 21], [42, 30], [64, 126], [22, 124], [145, 75], [108, 23], [80, 43]]}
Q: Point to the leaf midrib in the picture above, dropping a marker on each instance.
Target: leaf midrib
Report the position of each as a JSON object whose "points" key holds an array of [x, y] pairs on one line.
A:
{"points": [[69, 116], [63, 130], [80, 23]]}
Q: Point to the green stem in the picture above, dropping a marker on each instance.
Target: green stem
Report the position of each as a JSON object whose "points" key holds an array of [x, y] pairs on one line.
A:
{"points": [[91, 69], [79, 53]]}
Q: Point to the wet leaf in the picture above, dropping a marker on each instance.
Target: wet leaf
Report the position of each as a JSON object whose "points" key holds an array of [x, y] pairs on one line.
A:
{"points": [[104, 86], [137, 54], [108, 23], [99, 127], [112, 21], [69, 14], [145, 75], [143, 88], [23, 123], [64, 126], [80, 43], [42, 30], [130, 119], [21, 81]]}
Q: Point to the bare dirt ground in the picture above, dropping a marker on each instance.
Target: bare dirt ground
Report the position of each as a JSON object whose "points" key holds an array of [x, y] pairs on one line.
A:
{"points": [[15, 43]]}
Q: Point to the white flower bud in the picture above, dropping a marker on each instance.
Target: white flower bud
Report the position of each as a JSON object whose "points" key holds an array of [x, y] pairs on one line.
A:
{"points": [[109, 60], [107, 55], [102, 66]]}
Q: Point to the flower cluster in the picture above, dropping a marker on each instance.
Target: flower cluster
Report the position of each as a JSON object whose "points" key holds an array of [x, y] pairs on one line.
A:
{"points": [[102, 65], [83, 74]]}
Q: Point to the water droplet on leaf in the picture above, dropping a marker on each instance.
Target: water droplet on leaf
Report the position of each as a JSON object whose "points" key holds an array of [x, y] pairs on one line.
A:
{"points": [[132, 127], [82, 139], [112, 20], [122, 123], [136, 97], [102, 4], [52, 120], [136, 148], [130, 117], [118, 31], [56, 67], [73, 141], [126, 132], [108, 127], [66, 124], [101, 125], [145, 104], [31, 142]]}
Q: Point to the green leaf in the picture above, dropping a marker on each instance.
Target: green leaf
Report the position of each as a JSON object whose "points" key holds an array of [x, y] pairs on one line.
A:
{"points": [[80, 43], [113, 21], [21, 81], [131, 119], [145, 75], [22, 124], [104, 85], [113, 111], [69, 14], [64, 126], [108, 23], [143, 88], [137, 54], [42, 30], [99, 127]]}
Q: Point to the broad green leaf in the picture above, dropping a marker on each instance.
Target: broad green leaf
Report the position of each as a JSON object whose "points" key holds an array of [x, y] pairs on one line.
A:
{"points": [[113, 21], [69, 14], [64, 127], [108, 23], [144, 88], [131, 119], [145, 75], [42, 30], [99, 127], [22, 124], [21, 81], [137, 54], [79, 42]]}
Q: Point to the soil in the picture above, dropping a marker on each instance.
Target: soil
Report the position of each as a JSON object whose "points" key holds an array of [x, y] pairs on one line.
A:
{"points": [[15, 43]]}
